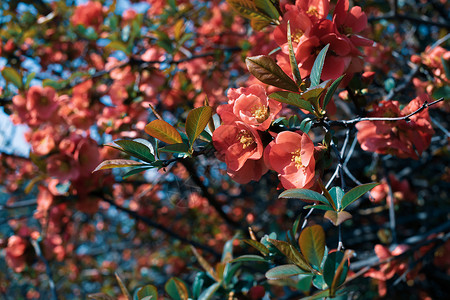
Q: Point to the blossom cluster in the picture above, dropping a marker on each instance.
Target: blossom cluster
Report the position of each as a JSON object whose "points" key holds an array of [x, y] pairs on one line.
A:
{"points": [[244, 141], [311, 30]]}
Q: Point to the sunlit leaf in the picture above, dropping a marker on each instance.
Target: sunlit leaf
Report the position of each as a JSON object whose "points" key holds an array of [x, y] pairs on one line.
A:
{"points": [[312, 244], [268, 8], [163, 131], [337, 218], [147, 291], [292, 254], [12, 76], [205, 264], [316, 71], [266, 70], [292, 59], [257, 245], [283, 271], [175, 148], [118, 163], [209, 292], [196, 122]]}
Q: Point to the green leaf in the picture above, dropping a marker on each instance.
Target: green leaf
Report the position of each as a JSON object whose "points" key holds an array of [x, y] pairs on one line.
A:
{"points": [[57, 85], [316, 71], [337, 218], [248, 10], [283, 271], [100, 296], [249, 257], [163, 131], [312, 244], [337, 194], [292, 59], [356, 192], [331, 91], [116, 45], [205, 264], [12, 76], [292, 99], [136, 171], [292, 254], [137, 150], [266, 70], [268, 8], [304, 194], [175, 148], [30, 77], [196, 122], [198, 284], [258, 246], [176, 289], [321, 207], [147, 291], [331, 266], [118, 163], [306, 125], [209, 292], [304, 282], [319, 295]]}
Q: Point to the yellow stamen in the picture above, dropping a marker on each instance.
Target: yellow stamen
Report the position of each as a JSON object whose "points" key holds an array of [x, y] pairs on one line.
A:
{"points": [[245, 138], [312, 11], [260, 113], [297, 159], [296, 35]]}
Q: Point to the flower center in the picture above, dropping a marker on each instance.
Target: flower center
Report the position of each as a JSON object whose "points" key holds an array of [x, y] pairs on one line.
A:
{"points": [[260, 113], [312, 11], [44, 100], [296, 35], [297, 159], [245, 138]]}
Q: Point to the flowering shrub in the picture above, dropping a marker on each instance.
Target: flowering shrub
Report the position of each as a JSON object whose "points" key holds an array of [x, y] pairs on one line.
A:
{"points": [[224, 149]]}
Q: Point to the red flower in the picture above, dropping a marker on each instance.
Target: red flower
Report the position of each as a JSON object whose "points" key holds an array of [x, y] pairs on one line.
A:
{"points": [[15, 253], [251, 106], [299, 22], [291, 154], [400, 138], [89, 14], [236, 143]]}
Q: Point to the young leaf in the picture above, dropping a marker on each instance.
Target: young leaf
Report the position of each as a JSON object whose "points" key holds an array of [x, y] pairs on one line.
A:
{"points": [[12, 76], [306, 125], [316, 71], [209, 292], [196, 122], [356, 192], [266, 70], [292, 254], [331, 91], [197, 285], [283, 271], [337, 218], [163, 131], [205, 265], [137, 150], [125, 292], [312, 244], [292, 99], [304, 194], [147, 291], [258, 246], [176, 289], [292, 60], [136, 171], [118, 163], [248, 10]]}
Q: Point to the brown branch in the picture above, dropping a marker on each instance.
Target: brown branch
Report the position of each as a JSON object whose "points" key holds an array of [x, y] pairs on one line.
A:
{"points": [[160, 227], [189, 165], [360, 119]]}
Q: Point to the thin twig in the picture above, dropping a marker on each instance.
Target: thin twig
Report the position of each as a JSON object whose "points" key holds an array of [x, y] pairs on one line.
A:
{"points": [[48, 270], [392, 223], [360, 119], [403, 17]]}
